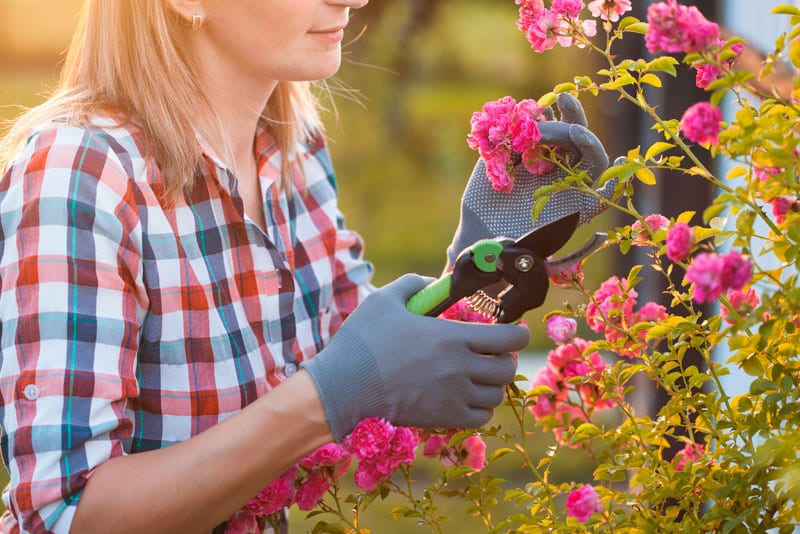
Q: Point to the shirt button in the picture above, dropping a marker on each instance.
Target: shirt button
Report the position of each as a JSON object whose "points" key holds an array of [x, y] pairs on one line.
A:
{"points": [[290, 369], [31, 392]]}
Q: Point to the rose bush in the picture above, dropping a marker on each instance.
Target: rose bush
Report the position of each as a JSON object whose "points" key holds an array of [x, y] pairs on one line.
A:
{"points": [[710, 460]]}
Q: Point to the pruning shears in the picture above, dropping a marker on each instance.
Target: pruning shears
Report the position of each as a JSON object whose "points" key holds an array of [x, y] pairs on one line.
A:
{"points": [[523, 266]]}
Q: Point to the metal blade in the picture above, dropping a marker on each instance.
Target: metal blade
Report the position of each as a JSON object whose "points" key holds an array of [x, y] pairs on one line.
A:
{"points": [[596, 242], [547, 239]]}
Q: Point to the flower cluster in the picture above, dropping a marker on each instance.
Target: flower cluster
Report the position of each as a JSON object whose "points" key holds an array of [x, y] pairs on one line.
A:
{"points": [[381, 448], [560, 23], [304, 484], [470, 451], [569, 388], [505, 131], [673, 27], [712, 274], [611, 312]]}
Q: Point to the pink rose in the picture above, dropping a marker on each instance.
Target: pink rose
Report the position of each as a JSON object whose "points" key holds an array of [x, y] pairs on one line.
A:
{"points": [[242, 523], [652, 224], [583, 502], [611, 305], [652, 312], [545, 404], [690, 453], [735, 271], [565, 354], [704, 274], [609, 9], [279, 493], [370, 438], [712, 274], [311, 492], [710, 72], [781, 206], [680, 239], [701, 123], [673, 27], [570, 275], [368, 477], [436, 446], [475, 452], [561, 329], [569, 8], [740, 301]]}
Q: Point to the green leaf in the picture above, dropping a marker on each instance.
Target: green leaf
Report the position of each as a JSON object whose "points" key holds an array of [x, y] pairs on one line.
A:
{"points": [[664, 64], [500, 453], [753, 367], [736, 172], [784, 9], [794, 233], [538, 206], [627, 22], [712, 211], [622, 171], [657, 148], [651, 79], [622, 81], [639, 27], [646, 176], [564, 87], [547, 99]]}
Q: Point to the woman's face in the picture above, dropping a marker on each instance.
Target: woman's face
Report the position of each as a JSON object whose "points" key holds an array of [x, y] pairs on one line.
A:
{"points": [[280, 40]]}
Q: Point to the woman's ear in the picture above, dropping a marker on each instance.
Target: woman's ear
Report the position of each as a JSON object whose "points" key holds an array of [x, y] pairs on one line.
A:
{"points": [[191, 11]]}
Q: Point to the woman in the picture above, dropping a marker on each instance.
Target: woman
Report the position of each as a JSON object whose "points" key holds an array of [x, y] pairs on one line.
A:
{"points": [[173, 268]]}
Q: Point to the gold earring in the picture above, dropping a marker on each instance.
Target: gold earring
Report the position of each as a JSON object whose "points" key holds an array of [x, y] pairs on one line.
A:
{"points": [[197, 21]]}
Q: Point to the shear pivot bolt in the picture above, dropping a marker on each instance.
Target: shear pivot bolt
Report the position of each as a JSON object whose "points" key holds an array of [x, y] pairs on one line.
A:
{"points": [[524, 263], [490, 257]]}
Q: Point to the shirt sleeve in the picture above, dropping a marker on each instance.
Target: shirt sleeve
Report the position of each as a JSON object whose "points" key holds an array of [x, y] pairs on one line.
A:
{"points": [[69, 312], [352, 277]]}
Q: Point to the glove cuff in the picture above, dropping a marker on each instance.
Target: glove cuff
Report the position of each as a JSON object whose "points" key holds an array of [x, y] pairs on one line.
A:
{"points": [[349, 383]]}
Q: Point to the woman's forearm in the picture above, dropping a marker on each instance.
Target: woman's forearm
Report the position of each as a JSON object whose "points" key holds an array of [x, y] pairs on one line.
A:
{"points": [[195, 485]]}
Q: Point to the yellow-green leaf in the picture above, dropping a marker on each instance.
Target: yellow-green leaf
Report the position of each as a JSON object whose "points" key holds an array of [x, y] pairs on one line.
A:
{"points": [[712, 211], [564, 87], [639, 27], [622, 81], [736, 172], [686, 216], [646, 176], [547, 99], [784, 9], [657, 148], [651, 79]]}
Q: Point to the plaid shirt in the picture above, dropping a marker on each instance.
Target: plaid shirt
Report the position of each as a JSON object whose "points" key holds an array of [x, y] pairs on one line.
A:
{"points": [[129, 324]]}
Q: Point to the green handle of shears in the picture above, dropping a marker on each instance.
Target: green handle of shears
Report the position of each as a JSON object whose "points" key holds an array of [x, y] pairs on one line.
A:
{"points": [[430, 296]]}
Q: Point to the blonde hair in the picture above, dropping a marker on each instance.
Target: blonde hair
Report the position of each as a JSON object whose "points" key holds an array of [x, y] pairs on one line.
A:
{"points": [[132, 55]]}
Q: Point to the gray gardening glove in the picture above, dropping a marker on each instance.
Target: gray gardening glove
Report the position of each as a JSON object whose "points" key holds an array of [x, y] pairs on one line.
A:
{"points": [[487, 213], [411, 369]]}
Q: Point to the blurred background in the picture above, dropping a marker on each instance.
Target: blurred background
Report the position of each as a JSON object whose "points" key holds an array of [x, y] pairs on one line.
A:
{"points": [[397, 122]]}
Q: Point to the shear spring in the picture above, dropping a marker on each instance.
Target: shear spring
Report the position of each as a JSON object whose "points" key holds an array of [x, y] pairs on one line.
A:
{"points": [[485, 305]]}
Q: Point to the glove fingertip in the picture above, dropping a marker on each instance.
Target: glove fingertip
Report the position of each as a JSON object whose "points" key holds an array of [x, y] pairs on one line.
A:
{"points": [[571, 109]]}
